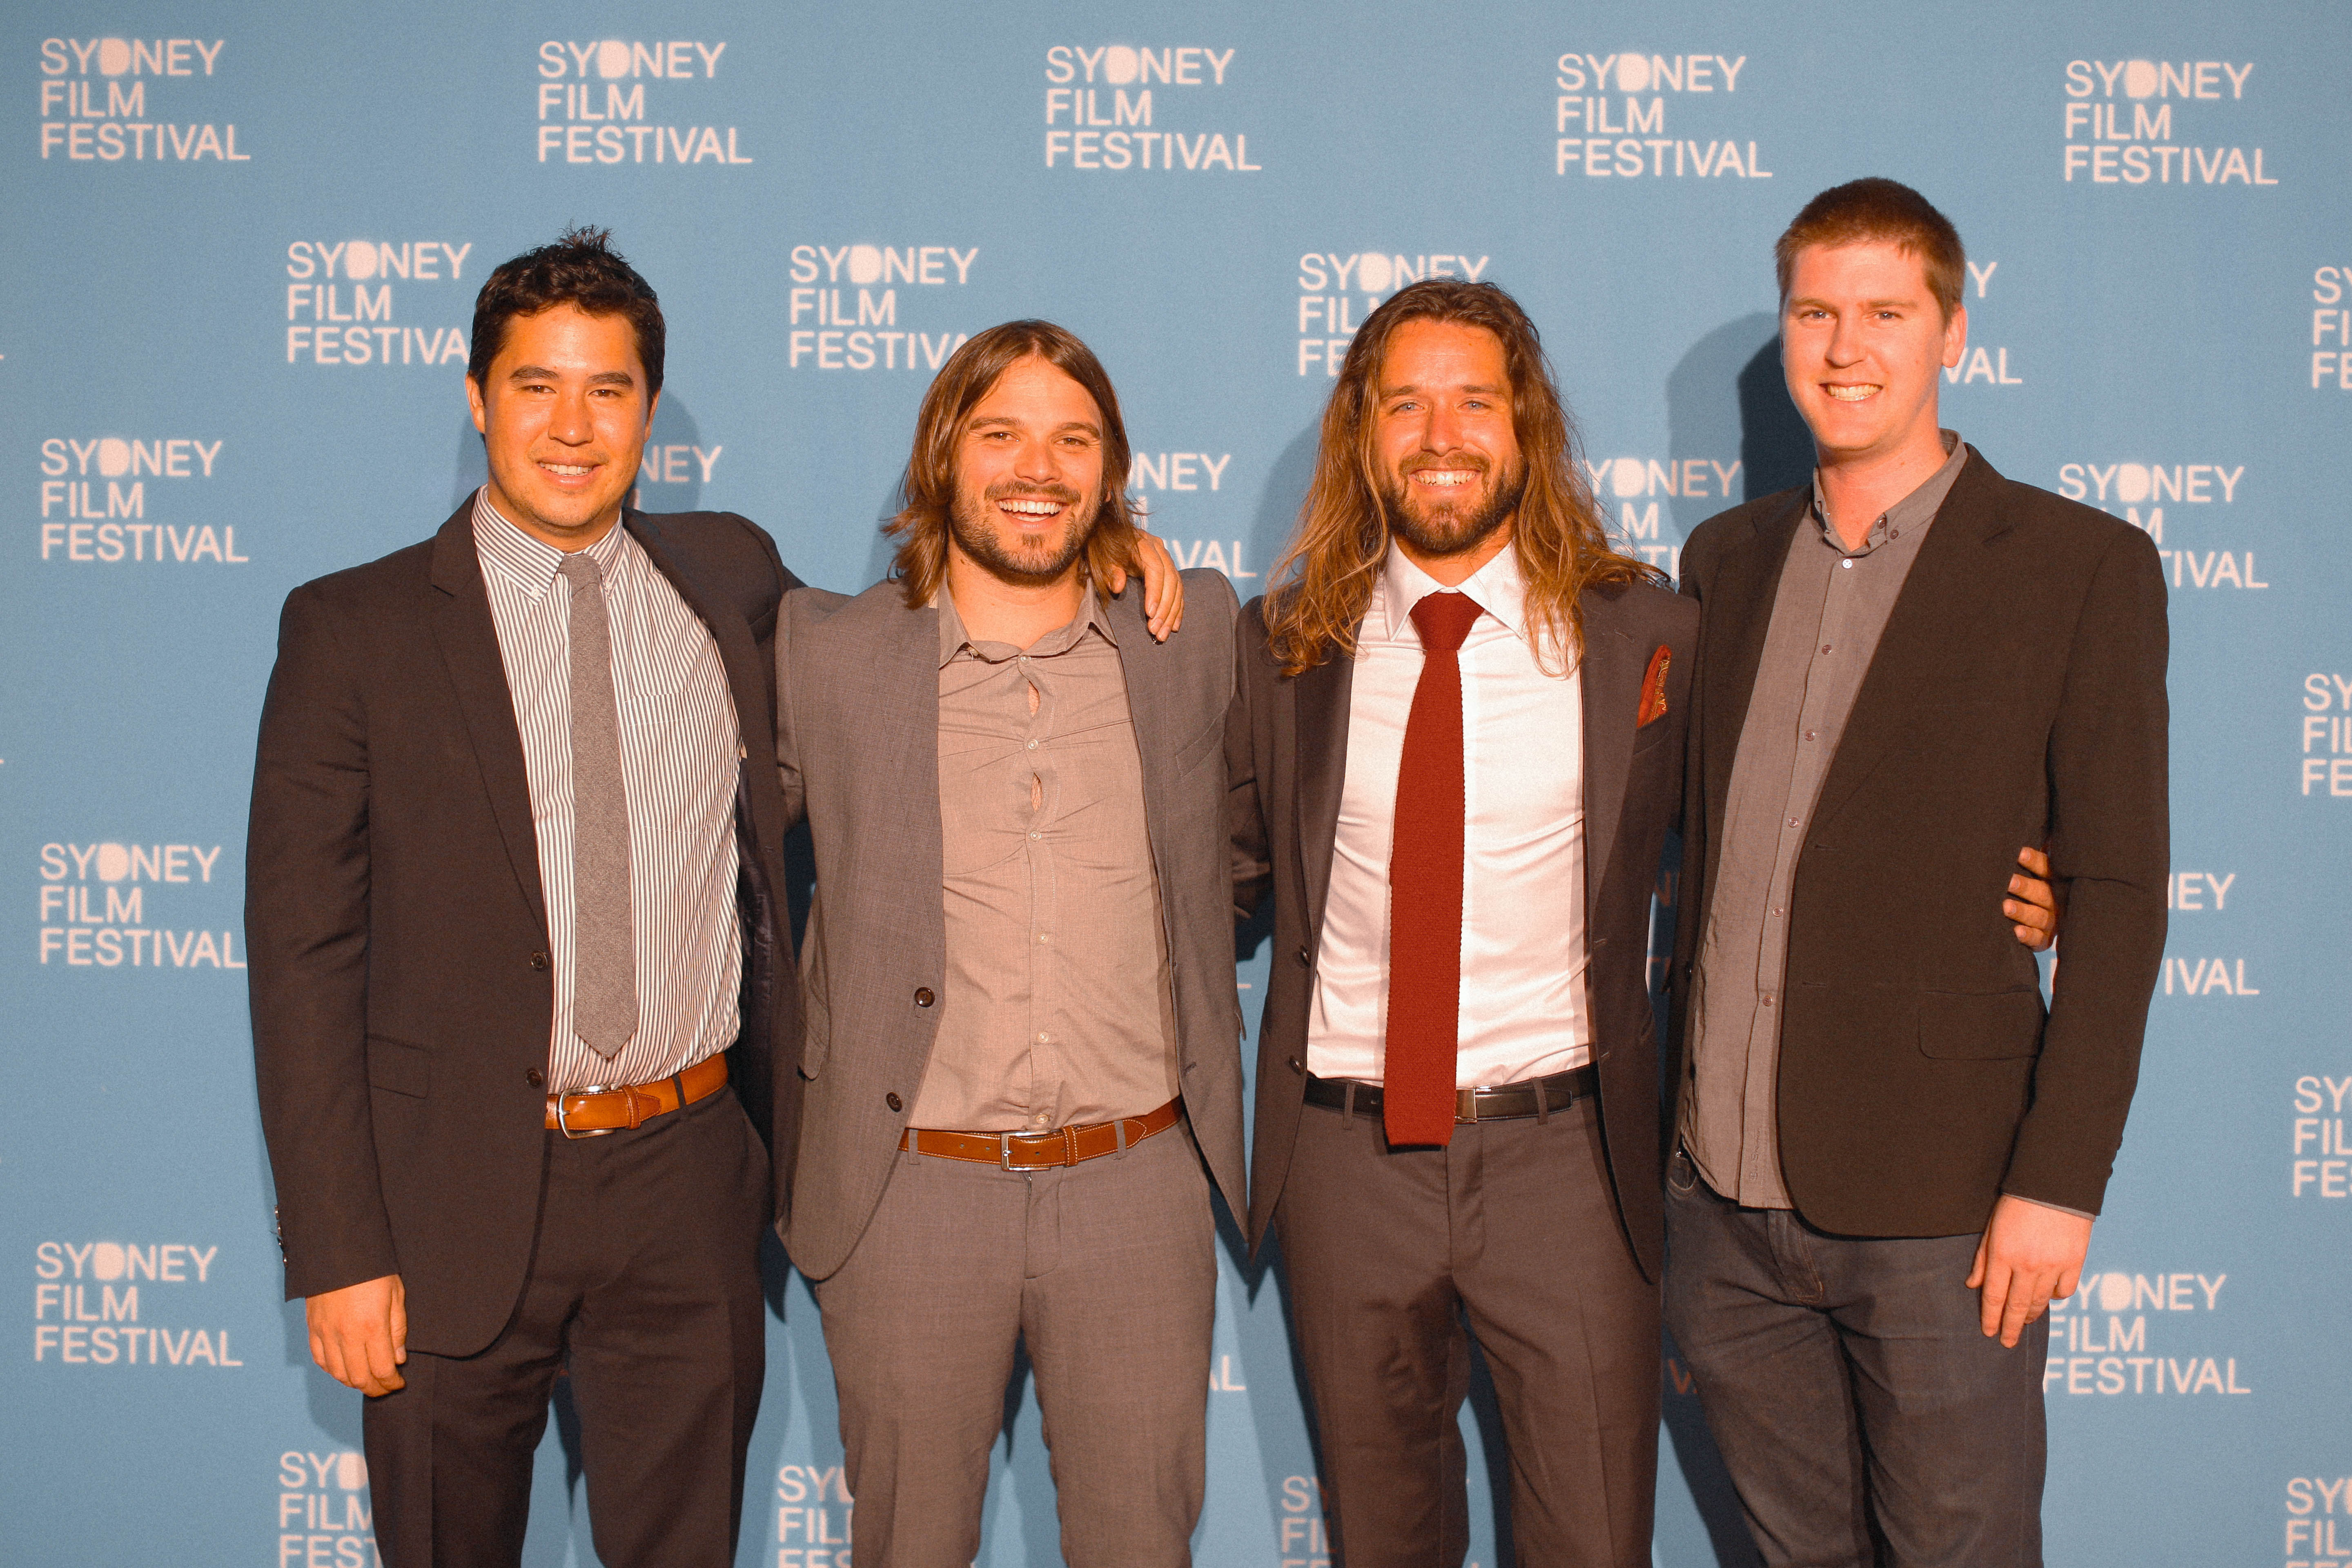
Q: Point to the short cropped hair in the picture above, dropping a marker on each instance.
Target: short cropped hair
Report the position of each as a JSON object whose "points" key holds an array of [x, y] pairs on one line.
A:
{"points": [[580, 268], [1863, 211]]}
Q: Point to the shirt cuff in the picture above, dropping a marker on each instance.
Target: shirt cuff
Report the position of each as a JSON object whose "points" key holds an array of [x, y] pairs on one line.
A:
{"points": [[2041, 1203]]}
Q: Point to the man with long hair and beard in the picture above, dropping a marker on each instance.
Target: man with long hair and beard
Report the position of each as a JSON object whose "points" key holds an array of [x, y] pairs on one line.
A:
{"points": [[1021, 1077], [1455, 759]]}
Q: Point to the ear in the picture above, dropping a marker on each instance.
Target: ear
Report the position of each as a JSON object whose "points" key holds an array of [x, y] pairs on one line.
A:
{"points": [[1956, 336]]}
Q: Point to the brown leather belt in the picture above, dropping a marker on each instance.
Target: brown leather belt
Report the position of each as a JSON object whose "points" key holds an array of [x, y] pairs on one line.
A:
{"points": [[587, 1112], [1042, 1151], [1530, 1096]]}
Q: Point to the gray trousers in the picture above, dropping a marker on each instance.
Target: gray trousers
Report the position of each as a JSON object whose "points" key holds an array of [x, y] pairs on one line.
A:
{"points": [[1863, 1414], [1107, 1271], [1394, 1258]]}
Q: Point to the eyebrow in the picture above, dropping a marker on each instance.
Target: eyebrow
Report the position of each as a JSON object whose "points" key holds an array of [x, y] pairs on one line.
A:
{"points": [[602, 378], [1480, 387], [1007, 421], [1808, 302]]}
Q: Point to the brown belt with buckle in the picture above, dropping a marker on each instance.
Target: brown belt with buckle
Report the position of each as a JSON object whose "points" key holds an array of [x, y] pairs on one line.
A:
{"points": [[1043, 1150], [587, 1112]]}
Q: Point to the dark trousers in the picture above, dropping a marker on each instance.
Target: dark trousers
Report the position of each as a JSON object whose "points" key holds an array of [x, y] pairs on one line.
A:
{"points": [[1107, 1270], [1510, 1234], [645, 1285], [1863, 1414]]}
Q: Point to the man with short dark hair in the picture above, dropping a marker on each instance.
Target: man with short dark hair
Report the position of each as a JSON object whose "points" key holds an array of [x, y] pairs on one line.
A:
{"points": [[1018, 977], [1890, 1157]]}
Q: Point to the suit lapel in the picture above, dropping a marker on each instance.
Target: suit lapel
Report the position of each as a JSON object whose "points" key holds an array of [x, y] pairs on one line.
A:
{"points": [[1320, 710], [1611, 679], [1738, 611], [1944, 601], [1147, 666], [468, 641]]}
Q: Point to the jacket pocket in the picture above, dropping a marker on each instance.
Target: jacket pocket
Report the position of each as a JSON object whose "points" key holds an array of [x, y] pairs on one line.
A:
{"points": [[399, 1067], [1973, 1026]]}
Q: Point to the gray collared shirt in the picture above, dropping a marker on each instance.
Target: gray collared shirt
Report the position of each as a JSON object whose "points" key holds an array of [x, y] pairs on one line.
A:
{"points": [[1059, 1008], [1831, 606]]}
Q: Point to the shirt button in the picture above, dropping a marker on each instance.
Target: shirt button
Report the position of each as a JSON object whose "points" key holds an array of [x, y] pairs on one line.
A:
{"points": [[539, 961], [1044, 1040], [923, 997], [1847, 564], [1043, 938], [1825, 647], [1779, 910], [1768, 998], [1812, 734], [533, 1077], [1792, 822], [1034, 834], [1033, 746], [1038, 1120]]}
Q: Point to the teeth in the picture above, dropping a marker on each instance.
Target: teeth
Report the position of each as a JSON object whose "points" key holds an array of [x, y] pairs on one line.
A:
{"points": [[1442, 477], [569, 471], [1032, 508], [1854, 394]]}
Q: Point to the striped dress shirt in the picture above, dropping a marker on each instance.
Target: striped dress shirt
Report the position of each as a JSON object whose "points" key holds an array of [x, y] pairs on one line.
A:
{"points": [[680, 750]]}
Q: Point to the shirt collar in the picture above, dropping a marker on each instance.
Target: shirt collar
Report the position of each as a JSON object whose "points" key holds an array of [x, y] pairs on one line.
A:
{"points": [[1498, 586], [954, 638], [532, 565], [1915, 511]]}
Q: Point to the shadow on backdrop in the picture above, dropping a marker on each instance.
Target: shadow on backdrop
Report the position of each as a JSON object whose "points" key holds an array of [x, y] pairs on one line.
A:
{"points": [[1728, 395]]}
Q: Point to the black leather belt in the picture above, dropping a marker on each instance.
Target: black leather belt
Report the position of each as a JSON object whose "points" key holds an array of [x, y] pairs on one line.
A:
{"points": [[1530, 1097]]}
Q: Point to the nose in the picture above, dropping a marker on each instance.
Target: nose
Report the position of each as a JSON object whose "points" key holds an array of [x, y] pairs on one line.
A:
{"points": [[569, 421], [1844, 346], [1037, 461]]}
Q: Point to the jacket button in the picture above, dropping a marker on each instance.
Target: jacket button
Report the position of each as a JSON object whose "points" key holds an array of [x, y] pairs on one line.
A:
{"points": [[893, 1103], [535, 1078], [539, 961], [923, 998], [1303, 958], [1297, 1066]]}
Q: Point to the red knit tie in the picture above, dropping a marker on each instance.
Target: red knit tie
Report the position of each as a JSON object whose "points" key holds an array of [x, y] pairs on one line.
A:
{"points": [[1425, 886]]}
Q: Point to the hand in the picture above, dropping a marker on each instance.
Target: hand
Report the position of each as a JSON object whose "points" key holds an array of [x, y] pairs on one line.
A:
{"points": [[1164, 590], [359, 1334], [2038, 906], [2028, 1254]]}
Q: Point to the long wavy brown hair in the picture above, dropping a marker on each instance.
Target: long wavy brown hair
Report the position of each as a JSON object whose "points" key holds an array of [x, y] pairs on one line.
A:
{"points": [[927, 491], [1333, 565]]}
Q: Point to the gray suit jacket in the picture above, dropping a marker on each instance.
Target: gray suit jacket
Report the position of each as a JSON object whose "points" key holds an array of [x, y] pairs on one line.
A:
{"points": [[857, 746]]}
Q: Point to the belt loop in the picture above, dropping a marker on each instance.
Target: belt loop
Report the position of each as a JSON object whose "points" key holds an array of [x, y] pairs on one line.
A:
{"points": [[1543, 1100], [1119, 1129], [1069, 1145], [1347, 1106]]}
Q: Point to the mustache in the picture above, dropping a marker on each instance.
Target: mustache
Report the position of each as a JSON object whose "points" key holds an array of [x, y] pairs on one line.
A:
{"points": [[1016, 491], [1475, 462]]}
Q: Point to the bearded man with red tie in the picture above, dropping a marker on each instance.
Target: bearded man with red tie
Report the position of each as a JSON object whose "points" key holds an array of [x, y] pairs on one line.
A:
{"points": [[1455, 757]]}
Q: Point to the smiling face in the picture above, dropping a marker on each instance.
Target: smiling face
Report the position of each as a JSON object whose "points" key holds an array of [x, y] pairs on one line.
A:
{"points": [[563, 414], [1444, 444], [1861, 339], [1028, 475]]}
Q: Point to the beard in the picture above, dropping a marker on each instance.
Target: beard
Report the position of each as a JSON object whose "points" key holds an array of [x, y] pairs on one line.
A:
{"points": [[972, 524], [1452, 527]]}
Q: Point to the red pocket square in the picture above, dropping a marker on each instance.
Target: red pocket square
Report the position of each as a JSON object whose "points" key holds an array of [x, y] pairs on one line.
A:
{"points": [[1653, 688]]}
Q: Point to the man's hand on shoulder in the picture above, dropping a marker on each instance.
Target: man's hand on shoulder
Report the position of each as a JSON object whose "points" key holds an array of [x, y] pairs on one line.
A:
{"points": [[2028, 1254], [359, 1334], [1163, 589]]}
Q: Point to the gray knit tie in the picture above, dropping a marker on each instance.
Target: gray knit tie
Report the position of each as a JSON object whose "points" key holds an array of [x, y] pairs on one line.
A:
{"points": [[605, 956]]}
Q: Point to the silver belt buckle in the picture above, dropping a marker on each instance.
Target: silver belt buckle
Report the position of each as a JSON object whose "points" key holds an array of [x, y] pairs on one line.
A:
{"points": [[562, 1110], [1005, 1153]]}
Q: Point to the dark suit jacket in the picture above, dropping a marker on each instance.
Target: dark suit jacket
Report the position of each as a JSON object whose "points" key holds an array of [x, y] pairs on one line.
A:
{"points": [[858, 733], [2017, 696], [1287, 758], [399, 972]]}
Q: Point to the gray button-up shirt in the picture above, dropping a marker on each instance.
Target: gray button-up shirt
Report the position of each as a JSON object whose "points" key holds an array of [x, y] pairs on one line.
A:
{"points": [[1831, 606], [1059, 1007]]}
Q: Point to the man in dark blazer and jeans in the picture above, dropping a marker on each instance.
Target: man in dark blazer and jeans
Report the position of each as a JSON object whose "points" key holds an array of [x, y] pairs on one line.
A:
{"points": [[1890, 1155]]}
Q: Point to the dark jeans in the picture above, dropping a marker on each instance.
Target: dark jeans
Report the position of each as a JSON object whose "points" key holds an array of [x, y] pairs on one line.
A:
{"points": [[1863, 1414]]}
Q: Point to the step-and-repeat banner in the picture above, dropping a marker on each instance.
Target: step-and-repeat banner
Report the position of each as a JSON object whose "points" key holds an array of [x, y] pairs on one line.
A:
{"points": [[240, 248]]}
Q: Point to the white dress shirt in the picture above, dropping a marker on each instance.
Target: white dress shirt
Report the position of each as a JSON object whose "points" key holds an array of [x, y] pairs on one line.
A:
{"points": [[1524, 1012]]}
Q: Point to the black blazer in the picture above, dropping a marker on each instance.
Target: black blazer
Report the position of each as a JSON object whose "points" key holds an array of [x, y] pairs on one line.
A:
{"points": [[1285, 760], [2017, 696], [398, 968]]}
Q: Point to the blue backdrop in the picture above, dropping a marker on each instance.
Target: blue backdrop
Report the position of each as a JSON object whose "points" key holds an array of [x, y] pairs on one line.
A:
{"points": [[241, 247]]}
